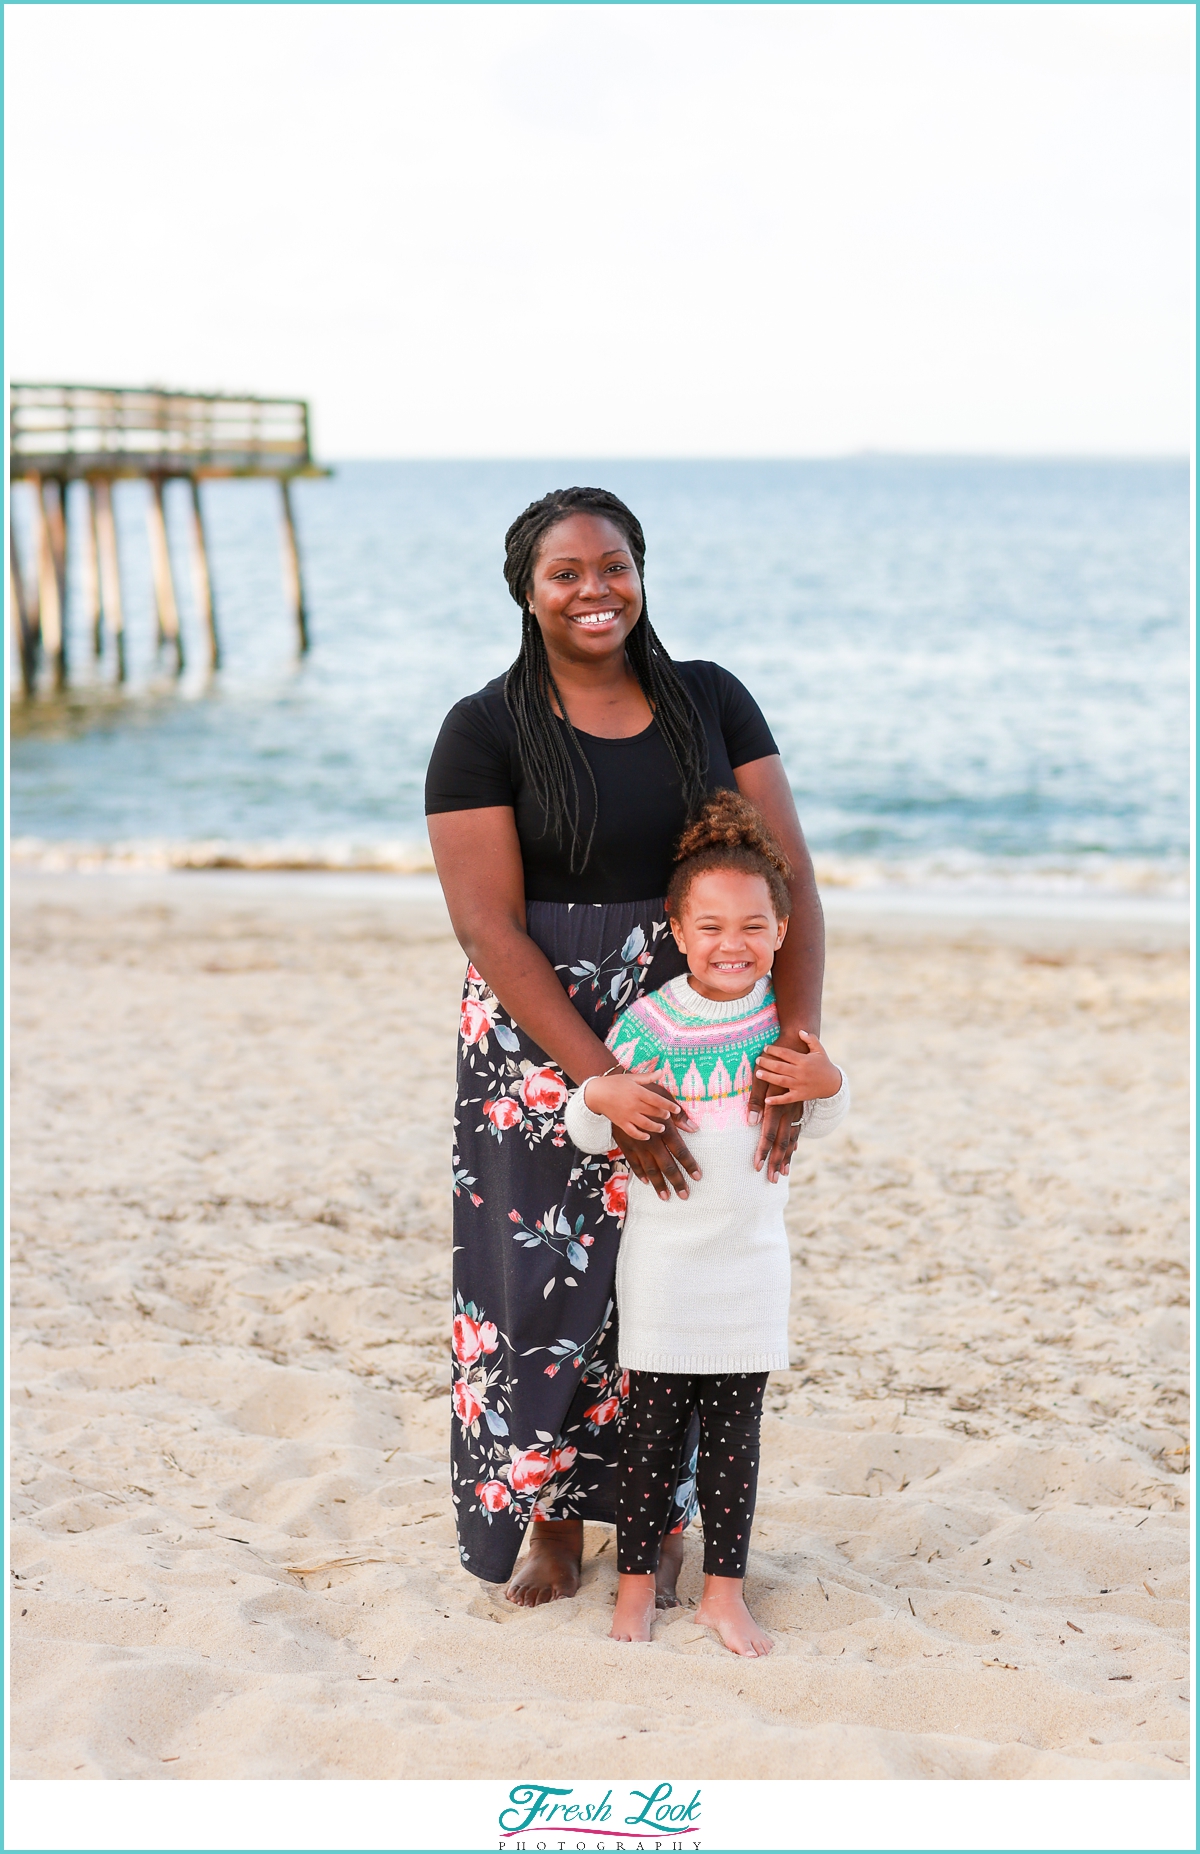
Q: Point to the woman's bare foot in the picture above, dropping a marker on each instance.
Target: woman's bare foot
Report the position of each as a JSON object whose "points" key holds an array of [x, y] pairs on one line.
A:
{"points": [[723, 1608], [551, 1568], [633, 1617], [670, 1563]]}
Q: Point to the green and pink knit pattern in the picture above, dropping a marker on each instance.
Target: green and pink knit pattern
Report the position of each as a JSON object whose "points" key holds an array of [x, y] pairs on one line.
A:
{"points": [[703, 1053]]}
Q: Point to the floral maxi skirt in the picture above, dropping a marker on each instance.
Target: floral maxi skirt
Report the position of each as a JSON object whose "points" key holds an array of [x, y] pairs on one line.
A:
{"points": [[537, 1391]]}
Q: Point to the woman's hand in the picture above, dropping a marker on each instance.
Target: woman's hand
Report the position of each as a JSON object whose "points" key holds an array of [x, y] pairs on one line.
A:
{"points": [[791, 1076], [780, 1126], [798, 1075], [660, 1160]]}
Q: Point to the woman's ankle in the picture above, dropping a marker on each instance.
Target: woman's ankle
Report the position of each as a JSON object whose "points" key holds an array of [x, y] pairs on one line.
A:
{"points": [[555, 1528]]}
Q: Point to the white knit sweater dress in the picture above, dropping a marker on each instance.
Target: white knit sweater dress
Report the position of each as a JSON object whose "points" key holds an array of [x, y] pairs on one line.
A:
{"points": [[703, 1282]]}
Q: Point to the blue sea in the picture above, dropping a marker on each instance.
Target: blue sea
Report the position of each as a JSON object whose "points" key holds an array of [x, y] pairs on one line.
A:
{"points": [[977, 671]]}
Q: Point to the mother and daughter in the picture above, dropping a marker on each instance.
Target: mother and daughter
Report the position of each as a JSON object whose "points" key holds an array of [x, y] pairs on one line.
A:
{"points": [[638, 1055]]}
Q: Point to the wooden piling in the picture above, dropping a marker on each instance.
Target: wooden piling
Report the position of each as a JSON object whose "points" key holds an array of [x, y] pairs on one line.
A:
{"points": [[292, 580], [50, 605], [164, 584], [91, 572], [24, 619], [202, 578], [110, 569], [54, 492], [56, 522]]}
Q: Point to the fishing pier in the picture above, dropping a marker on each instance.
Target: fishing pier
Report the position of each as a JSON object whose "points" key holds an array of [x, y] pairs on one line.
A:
{"points": [[99, 435]]}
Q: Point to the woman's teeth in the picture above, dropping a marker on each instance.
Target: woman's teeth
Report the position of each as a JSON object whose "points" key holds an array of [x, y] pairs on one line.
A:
{"points": [[593, 617]]}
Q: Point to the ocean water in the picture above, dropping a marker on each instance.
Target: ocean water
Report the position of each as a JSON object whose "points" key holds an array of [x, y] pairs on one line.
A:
{"points": [[977, 671]]}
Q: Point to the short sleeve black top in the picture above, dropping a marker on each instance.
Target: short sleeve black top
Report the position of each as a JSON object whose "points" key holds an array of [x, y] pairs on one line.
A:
{"points": [[641, 809]]}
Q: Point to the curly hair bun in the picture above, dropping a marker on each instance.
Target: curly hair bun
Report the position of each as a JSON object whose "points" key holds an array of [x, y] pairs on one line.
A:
{"points": [[729, 833], [728, 818]]}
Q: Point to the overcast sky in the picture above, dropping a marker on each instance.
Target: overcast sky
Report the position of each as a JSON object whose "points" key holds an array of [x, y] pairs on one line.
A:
{"points": [[617, 230]]}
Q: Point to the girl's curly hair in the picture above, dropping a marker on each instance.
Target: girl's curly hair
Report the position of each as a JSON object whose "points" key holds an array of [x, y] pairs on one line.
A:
{"points": [[728, 832]]}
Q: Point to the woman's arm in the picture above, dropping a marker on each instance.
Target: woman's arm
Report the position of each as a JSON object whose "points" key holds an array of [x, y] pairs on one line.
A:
{"points": [[800, 962], [478, 858]]}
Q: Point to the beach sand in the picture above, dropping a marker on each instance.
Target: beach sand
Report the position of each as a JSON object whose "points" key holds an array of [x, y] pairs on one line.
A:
{"points": [[233, 1548]]}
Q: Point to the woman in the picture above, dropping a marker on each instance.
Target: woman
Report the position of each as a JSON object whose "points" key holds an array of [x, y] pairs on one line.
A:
{"points": [[554, 798]]}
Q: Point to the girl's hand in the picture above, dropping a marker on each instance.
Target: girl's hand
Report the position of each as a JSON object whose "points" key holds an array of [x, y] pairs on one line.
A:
{"points": [[794, 1075], [638, 1107]]}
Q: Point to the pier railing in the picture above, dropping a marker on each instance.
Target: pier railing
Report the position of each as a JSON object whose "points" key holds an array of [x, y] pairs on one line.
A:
{"points": [[112, 431], [95, 435]]}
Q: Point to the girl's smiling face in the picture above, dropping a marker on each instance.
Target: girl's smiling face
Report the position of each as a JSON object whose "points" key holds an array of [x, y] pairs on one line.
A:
{"points": [[729, 933]]}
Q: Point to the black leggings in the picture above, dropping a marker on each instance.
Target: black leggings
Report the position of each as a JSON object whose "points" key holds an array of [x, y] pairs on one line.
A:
{"points": [[657, 1411]]}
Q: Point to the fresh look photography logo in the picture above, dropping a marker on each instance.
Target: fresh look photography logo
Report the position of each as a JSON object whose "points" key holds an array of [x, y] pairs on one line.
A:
{"points": [[560, 1816]]}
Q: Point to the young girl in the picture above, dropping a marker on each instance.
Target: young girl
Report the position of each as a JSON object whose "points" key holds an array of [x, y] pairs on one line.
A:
{"points": [[703, 1282]]}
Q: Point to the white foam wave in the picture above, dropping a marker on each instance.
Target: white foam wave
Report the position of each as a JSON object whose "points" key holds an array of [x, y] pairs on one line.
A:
{"points": [[948, 875], [1066, 876], [52, 856]]}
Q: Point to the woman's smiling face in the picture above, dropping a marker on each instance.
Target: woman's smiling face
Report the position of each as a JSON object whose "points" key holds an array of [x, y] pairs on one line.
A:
{"points": [[586, 593]]}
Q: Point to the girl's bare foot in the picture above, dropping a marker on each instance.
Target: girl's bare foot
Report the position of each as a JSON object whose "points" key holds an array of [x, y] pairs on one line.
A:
{"points": [[633, 1617], [670, 1563], [723, 1608], [551, 1568]]}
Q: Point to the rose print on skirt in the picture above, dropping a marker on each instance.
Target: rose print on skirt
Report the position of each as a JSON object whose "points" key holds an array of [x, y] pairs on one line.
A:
{"points": [[544, 1091], [536, 1387], [614, 1191]]}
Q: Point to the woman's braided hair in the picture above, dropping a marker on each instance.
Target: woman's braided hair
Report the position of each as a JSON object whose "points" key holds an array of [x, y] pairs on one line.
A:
{"points": [[729, 833], [546, 760]]}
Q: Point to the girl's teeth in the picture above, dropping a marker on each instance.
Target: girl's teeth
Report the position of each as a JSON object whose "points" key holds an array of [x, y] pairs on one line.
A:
{"points": [[594, 618]]}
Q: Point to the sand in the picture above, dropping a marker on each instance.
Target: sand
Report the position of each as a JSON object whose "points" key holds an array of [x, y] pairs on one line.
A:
{"points": [[233, 1551]]}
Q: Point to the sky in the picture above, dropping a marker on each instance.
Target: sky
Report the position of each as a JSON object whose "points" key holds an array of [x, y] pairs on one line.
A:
{"points": [[617, 230]]}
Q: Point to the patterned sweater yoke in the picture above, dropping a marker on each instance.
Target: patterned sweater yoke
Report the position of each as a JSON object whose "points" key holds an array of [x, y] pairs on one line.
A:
{"points": [[701, 1051]]}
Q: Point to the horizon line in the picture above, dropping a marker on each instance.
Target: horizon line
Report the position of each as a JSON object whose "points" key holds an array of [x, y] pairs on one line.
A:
{"points": [[863, 455]]}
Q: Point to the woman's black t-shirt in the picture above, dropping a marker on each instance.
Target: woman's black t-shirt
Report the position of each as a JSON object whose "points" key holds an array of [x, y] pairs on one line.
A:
{"points": [[641, 811]]}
